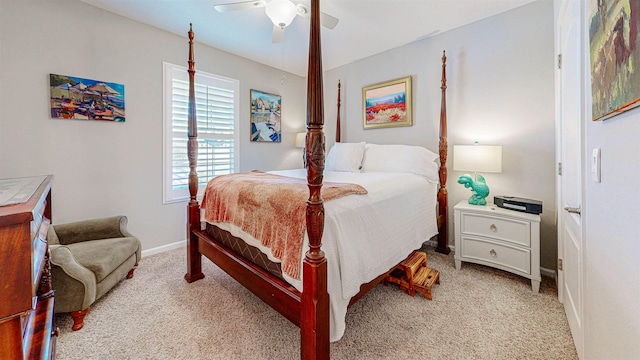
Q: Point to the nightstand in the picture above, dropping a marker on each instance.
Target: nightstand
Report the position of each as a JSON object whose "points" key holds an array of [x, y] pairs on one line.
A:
{"points": [[504, 239]]}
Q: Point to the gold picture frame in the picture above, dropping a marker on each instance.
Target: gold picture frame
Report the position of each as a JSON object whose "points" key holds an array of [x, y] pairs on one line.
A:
{"points": [[614, 53], [387, 104]]}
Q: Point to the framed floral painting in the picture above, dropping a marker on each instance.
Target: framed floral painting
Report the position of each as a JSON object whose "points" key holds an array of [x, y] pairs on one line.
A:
{"points": [[387, 104]]}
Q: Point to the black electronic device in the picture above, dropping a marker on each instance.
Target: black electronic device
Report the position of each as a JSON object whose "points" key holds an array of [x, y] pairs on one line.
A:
{"points": [[518, 204]]}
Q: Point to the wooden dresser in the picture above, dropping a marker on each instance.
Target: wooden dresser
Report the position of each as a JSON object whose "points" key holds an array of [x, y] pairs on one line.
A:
{"points": [[27, 329]]}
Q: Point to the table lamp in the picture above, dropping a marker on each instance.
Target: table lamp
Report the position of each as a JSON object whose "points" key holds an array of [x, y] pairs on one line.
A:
{"points": [[477, 158]]}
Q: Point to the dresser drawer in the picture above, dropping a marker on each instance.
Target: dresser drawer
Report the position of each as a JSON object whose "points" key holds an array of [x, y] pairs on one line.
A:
{"points": [[38, 214], [512, 258], [505, 229]]}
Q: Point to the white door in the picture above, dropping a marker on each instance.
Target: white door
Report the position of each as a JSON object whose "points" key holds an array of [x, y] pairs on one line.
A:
{"points": [[570, 246]]}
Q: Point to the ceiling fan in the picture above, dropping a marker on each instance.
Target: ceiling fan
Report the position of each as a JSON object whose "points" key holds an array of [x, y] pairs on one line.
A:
{"points": [[281, 13]]}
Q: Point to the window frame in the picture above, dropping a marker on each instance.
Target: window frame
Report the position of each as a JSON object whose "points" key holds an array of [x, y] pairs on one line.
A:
{"points": [[171, 72]]}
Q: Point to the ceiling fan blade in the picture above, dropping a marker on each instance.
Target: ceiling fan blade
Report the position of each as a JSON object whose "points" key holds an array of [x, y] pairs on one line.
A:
{"points": [[241, 5], [326, 20], [278, 34]]}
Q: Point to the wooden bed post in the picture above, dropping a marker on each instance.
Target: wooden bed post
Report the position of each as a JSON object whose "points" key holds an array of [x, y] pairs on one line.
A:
{"points": [[443, 246], [314, 321], [194, 258], [338, 116]]}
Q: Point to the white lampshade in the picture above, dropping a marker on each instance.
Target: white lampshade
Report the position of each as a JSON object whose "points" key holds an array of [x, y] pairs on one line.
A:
{"points": [[300, 139], [477, 158], [281, 12]]}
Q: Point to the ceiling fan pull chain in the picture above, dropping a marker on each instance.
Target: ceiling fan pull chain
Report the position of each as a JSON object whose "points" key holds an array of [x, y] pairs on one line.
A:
{"points": [[284, 75]]}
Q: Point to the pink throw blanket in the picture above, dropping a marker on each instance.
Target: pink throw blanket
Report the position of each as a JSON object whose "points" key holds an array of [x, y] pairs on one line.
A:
{"points": [[269, 207]]}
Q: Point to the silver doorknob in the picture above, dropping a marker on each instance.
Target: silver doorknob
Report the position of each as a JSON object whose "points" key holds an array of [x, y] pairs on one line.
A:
{"points": [[493, 253], [573, 210]]}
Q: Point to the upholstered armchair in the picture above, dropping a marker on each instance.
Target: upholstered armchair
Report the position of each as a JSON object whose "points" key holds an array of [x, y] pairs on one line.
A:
{"points": [[88, 258]]}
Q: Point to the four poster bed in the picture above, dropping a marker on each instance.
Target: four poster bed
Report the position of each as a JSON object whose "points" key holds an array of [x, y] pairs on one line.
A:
{"points": [[359, 251]]}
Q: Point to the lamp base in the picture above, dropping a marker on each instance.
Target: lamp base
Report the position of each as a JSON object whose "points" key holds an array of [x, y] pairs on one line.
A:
{"points": [[479, 188], [474, 200]]}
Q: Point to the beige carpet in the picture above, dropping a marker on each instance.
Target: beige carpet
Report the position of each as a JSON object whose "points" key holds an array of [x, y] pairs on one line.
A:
{"points": [[476, 313]]}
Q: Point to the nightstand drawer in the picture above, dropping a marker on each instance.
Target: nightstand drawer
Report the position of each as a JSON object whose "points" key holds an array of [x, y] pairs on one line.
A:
{"points": [[507, 257], [505, 229]]}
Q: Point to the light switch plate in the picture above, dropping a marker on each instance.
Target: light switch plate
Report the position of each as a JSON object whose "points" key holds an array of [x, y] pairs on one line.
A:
{"points": [[595, 165]]}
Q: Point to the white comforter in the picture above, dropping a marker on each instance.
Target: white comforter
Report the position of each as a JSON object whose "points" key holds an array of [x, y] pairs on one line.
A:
{"points": [[365, 235]]}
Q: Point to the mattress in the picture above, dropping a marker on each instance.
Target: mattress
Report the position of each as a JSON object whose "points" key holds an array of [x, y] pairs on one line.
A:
{"points": [[364, 235]]}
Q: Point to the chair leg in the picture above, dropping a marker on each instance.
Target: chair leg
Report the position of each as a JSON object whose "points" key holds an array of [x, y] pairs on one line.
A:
{"points": [[78, 318], [130, 274]]}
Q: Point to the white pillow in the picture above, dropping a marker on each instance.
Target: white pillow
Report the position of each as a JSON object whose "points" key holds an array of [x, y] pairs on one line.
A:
{"points": [[345, 157], [401, 159]]}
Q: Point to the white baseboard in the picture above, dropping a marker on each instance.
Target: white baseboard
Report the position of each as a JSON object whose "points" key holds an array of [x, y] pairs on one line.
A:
{"points": [[163, 248], [431, 242], [183, 243], [434, 243], [543, 271], [548, 273]]}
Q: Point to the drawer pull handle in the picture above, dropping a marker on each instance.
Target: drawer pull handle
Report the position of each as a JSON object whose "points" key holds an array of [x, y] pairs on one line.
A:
{"points": [[493, 228], [493, 253]]}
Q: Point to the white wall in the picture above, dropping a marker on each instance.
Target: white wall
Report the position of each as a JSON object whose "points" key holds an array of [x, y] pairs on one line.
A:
{"points": [[612, 242], [107, 168], [612, 237], [500, 92]]}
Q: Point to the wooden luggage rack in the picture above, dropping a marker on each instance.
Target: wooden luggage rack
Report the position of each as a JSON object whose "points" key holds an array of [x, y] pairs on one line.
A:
{"points": [[412, 274]]}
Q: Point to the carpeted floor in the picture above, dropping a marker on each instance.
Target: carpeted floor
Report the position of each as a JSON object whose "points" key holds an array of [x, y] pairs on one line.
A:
{"points": [[476, 313]]}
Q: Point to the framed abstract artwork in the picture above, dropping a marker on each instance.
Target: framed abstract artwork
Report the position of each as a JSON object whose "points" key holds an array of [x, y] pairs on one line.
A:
{"points": [[79, 98], [614, 44], [387, 104], [265, 116]]}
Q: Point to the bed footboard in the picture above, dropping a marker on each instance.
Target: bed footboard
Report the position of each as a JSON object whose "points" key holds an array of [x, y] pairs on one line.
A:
{"points": [[275, 292]]}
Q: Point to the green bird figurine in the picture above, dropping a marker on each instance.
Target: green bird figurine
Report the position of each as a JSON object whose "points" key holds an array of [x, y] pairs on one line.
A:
{"points": [[479, 188]]}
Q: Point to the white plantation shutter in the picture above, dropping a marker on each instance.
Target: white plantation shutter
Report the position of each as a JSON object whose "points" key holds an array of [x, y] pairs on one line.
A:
{"points": [[216, 114]]}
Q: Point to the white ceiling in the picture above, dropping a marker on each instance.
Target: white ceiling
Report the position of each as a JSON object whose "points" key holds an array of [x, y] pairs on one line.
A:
{"points": [[366, 27]]}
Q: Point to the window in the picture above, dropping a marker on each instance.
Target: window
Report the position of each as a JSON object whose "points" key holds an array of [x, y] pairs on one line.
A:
{"points": [[217, 119]]}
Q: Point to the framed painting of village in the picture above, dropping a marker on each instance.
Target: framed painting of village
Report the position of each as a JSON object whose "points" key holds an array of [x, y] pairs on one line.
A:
{"points": [[265, 117], [78, 98], [387, 104], [614, 44]]}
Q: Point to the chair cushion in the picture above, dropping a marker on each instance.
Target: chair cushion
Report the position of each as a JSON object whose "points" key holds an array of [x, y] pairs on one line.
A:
{"points": [[105, 255]]}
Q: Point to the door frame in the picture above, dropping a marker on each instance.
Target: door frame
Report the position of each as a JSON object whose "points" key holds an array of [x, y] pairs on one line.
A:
{"points": [[561, 7]]}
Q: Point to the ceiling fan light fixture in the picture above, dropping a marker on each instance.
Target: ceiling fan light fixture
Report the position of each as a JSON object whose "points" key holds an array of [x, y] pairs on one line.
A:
{"points": [[281, 12]]}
